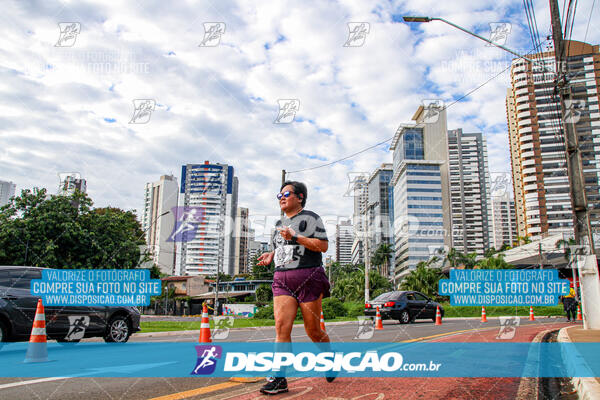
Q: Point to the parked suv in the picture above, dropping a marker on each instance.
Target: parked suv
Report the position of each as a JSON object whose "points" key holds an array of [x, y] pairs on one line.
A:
{"points": [[63, 323], [405, 306]]}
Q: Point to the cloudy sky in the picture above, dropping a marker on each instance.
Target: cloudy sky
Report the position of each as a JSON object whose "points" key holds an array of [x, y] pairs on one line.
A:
{"points": [[67, 102]]}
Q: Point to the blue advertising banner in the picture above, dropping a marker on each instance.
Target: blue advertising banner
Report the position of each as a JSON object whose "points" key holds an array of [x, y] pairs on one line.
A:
{"points": [[503, 287], [95, 287], [226, 359]]}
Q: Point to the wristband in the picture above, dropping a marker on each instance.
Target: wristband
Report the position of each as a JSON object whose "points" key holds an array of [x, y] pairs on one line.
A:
{"points": [[294, 238]]}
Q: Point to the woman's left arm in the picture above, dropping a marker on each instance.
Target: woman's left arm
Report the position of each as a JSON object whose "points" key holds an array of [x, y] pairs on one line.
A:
{"points": [[313, 244]]}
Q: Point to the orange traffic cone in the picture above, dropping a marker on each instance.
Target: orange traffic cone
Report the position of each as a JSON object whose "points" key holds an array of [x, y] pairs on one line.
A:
{"points": [[483, 316], [38, 350], [204, 327], [322, 322], [378, 323], [579, 317], [531, 317], [438, 316]]}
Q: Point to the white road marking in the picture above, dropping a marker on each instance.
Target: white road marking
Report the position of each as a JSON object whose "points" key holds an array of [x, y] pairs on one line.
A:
{"points": [[32, 381]]}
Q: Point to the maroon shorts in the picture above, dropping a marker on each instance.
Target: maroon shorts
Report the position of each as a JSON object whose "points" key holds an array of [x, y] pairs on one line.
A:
{"points": [[304, 284]]}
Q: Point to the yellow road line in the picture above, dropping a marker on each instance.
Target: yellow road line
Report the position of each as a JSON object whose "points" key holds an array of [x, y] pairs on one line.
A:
{"points": [[196, 392], [446, 334]]}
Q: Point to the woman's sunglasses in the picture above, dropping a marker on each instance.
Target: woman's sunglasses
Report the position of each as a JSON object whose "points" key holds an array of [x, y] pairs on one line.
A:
{"points": [[285, 194]]}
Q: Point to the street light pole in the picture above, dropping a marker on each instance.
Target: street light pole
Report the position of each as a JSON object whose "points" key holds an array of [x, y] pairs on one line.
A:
{"points": [[588, 267]]}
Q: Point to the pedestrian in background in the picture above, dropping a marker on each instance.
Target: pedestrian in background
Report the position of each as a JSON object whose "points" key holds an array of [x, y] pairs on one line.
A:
{"points": [[570, 304]]}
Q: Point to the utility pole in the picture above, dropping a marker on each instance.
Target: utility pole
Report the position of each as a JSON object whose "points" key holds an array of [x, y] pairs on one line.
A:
{"points": [[587, 265], [581, 217]]}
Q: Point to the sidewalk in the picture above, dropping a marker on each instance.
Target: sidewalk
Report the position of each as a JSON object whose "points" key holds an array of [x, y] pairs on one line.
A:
{"points": [[587, 388]]}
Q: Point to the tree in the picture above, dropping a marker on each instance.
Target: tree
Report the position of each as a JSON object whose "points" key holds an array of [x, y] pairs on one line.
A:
{"points": [[423, 278], [66, 232], [264, 272], [494, 263], [522, 240], [222, 277], [350, 286], [566, 246], [382, 257], [505, 246], [490, 252], [264, 293]]}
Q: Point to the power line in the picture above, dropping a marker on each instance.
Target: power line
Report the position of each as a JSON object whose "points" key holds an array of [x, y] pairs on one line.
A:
{"points": [[589, 19], [443, 109]]}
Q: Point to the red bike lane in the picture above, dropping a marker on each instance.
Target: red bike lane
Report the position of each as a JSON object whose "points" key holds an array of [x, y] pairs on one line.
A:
{"points": [[416, 388]]}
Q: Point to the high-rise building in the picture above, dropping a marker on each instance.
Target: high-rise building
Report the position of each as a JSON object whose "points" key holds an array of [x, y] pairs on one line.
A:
{"points": [[160, 199], [537, 140], [71, 182], [380, 209], [255, 249], [213, 188], [7, 190], [360, 193], [344, 236], [421, 189], [504, 222], [470, 192], [242, 236]]}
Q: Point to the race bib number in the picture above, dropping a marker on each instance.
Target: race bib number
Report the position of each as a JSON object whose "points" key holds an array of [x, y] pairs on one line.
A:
{"points": [[284, 255]]}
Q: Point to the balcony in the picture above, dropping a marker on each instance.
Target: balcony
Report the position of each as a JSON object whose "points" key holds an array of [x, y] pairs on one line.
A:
{"points": [[527, 154], [525, 130], [524, 114], [524, 106], [520, 92], [523, 122]]}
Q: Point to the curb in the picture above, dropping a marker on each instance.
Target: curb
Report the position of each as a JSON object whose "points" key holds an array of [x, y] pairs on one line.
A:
{"points": [[529, 387], [197, 331], [587, 388]]}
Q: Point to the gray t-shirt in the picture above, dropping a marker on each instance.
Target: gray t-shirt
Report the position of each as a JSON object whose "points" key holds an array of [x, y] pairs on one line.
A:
{"points": [[293, 256]]}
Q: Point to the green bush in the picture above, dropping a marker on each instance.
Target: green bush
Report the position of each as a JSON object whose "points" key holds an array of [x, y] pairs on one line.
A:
{"points": [[265, 312], [333, 307], [354, 309]]}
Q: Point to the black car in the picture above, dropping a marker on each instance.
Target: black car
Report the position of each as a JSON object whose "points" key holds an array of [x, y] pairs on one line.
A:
{"points": [[405, 306], [63, 323]]}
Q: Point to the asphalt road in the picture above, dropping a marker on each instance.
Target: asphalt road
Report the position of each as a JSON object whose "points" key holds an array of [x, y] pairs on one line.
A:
{"points": [[460, 330]]}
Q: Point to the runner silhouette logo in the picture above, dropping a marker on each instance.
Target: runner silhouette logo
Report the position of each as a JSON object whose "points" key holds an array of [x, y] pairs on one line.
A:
{"points": [[77, 326], [207, 359]]}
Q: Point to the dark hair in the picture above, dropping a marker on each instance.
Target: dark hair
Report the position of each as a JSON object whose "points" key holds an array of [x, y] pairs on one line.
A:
{"points": [[299, 189]]}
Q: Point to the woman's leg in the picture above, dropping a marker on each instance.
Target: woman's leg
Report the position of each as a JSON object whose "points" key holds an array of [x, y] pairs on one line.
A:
{"points": [[285, 308], [311, 313]]}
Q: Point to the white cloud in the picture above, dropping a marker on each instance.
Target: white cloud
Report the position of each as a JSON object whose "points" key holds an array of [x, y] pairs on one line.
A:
{"points": [[219, 103]]}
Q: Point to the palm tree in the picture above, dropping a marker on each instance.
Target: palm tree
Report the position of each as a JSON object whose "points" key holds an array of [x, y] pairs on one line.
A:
{"points": [[423, 278], [524, 239], [566, 246], [382, 257], [494, 263]]}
